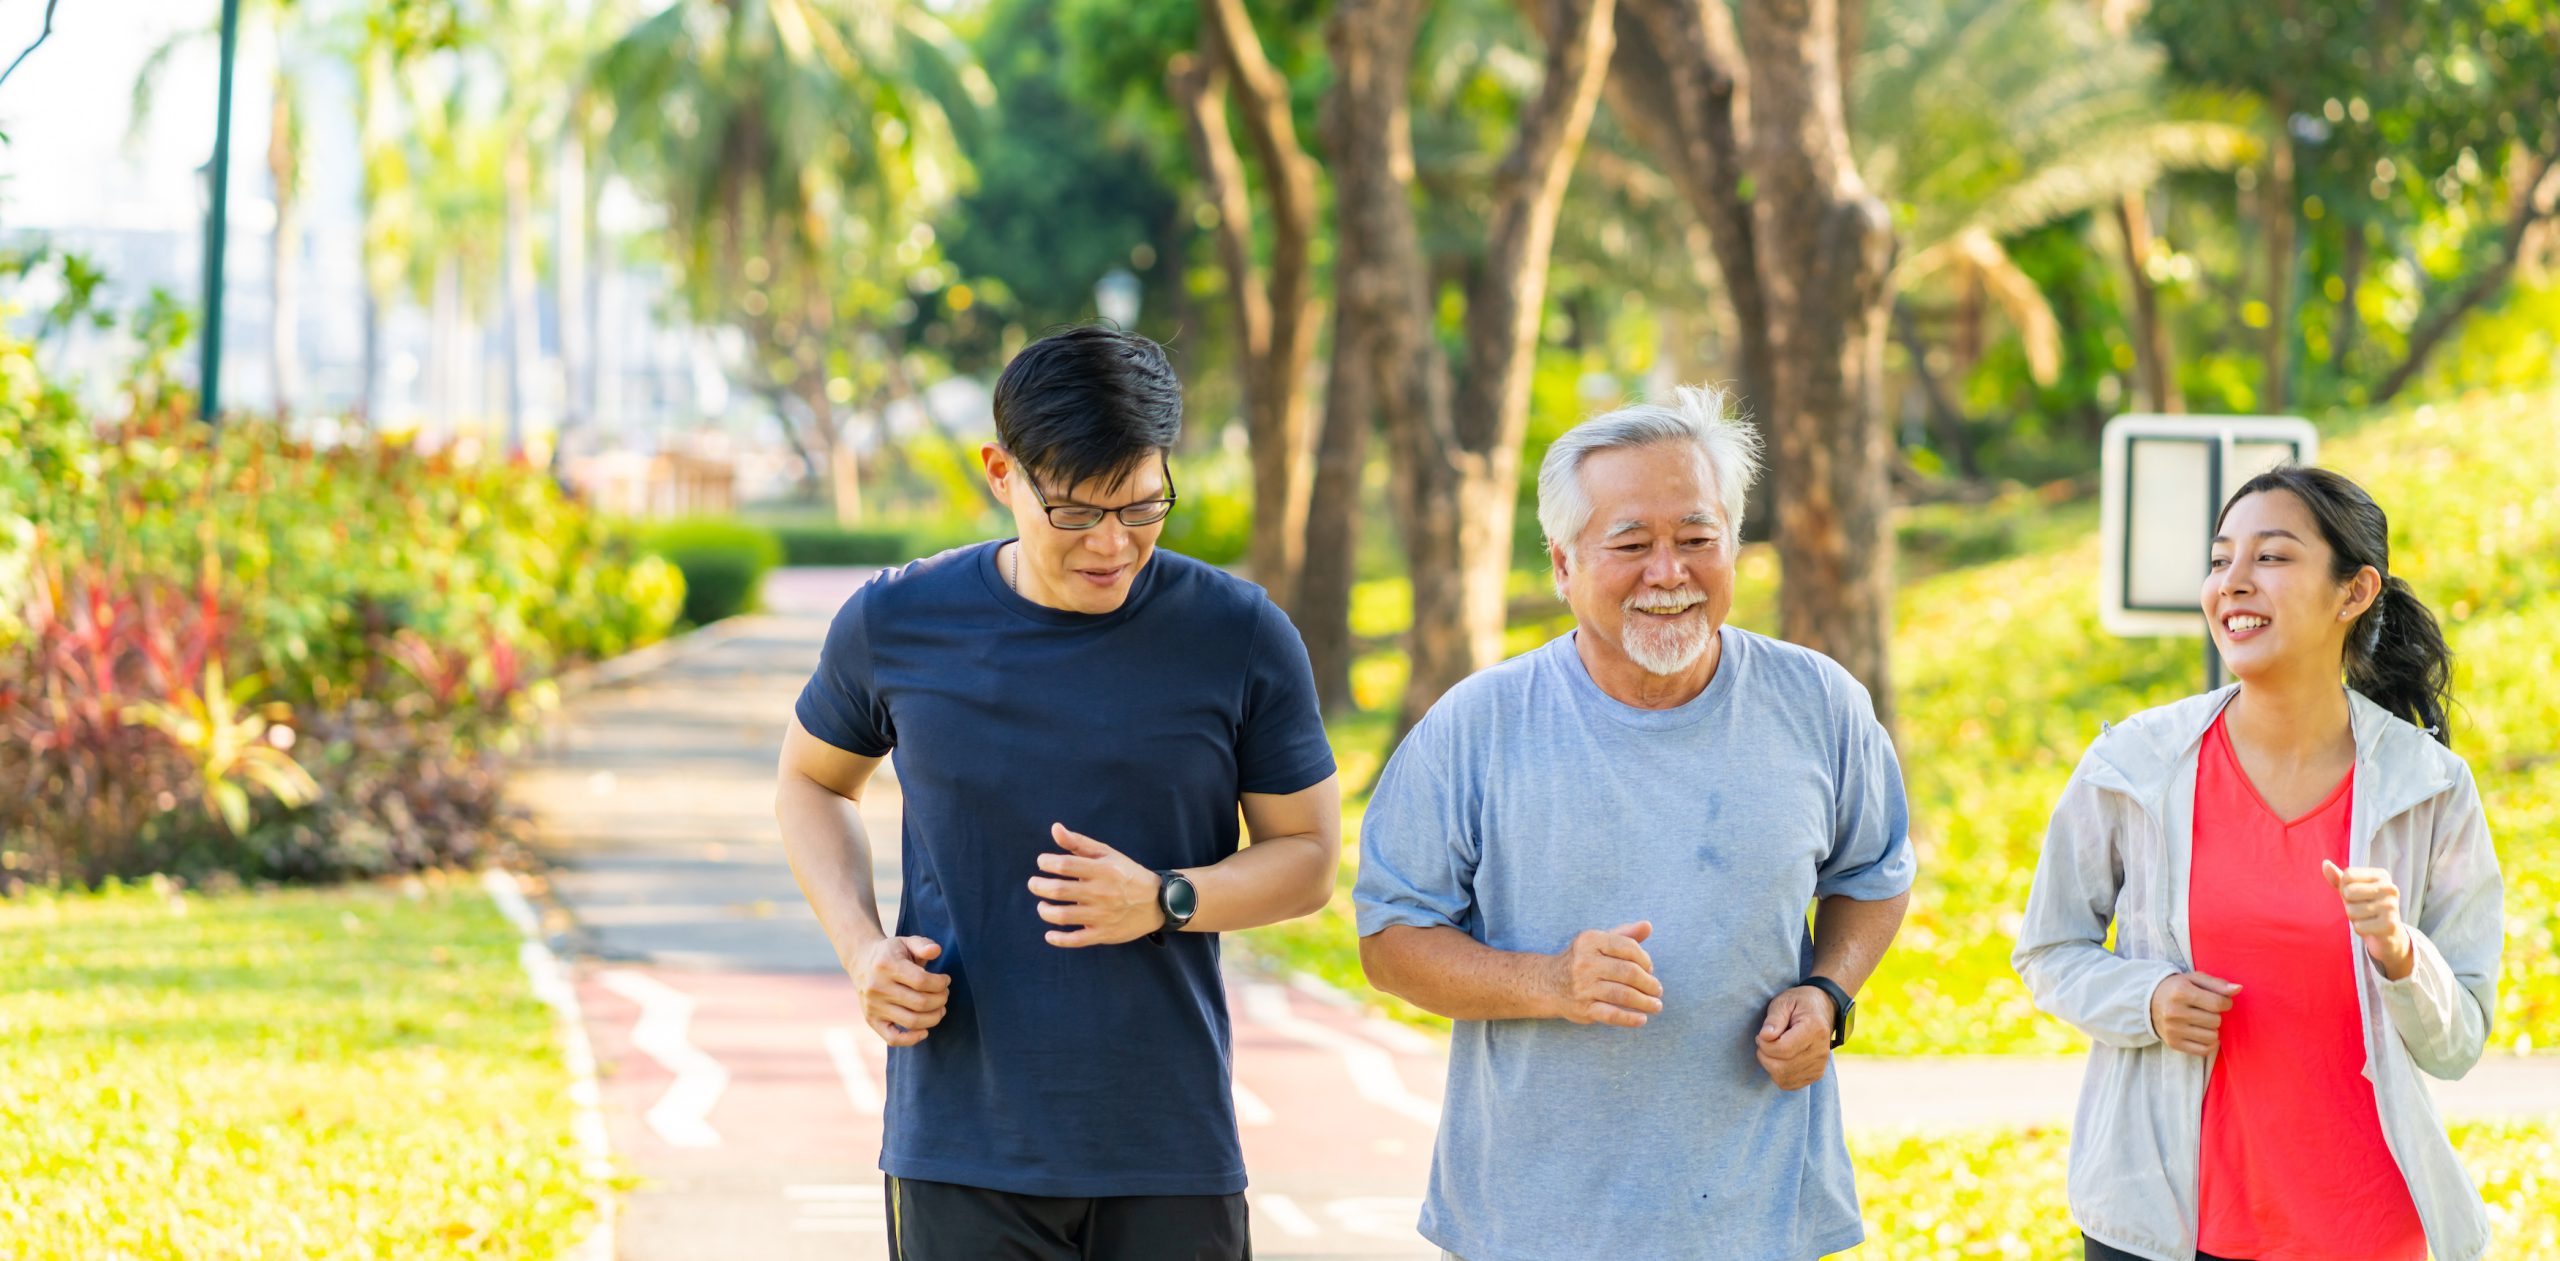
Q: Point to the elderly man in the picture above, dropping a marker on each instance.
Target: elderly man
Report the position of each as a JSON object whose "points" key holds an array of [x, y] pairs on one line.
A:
{"points": [[1597, 859]]}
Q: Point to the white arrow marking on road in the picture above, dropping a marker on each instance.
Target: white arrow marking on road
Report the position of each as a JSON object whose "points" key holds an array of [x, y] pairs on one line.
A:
{"points": [[1250, 1109], [858, 1085], [680, 1115], [1285, 1214], [1373, 1071]]}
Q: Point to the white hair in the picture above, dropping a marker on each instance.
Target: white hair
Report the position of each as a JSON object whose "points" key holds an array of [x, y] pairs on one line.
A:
{"points": [[1702, 415]]}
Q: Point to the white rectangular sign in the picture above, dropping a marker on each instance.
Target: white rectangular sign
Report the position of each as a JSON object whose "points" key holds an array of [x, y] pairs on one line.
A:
{"points": [[2162, 479]]}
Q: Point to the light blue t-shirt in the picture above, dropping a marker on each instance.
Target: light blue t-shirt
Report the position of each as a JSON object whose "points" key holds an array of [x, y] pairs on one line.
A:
{"points": [[1528, 806]]}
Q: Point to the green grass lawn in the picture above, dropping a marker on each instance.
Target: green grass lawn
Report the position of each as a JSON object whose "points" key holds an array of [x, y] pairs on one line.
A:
{"points": [[1998, 1193], [360, 1071], [2002, 676]]}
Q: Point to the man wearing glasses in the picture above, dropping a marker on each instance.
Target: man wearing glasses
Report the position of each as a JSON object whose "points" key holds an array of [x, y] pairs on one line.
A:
{"points": [[1078, 718]]}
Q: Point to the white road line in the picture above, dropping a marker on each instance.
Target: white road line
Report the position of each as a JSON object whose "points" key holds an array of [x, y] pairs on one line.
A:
{"points": [[1384, 1032], [1373, 1071], [681, 1115], [1397, 1038], [1250, 1109], [858, 1086], [586, 1122], [1285, 1214]]}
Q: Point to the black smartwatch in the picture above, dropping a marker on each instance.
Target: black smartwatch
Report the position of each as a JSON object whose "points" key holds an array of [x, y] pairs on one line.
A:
{"points": [[1178, 900], [1843, 1008]]}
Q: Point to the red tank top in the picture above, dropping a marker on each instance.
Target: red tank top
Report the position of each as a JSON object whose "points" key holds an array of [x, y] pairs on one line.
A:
{"points": [[2293, 1166]]}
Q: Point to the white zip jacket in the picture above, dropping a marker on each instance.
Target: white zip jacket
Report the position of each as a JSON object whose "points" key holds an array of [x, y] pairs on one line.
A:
{"points": [[2118, 853]]}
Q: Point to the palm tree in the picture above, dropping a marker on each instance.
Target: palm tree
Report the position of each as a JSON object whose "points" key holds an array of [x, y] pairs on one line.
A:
{"points": [[1980, 120], [798, 147]]}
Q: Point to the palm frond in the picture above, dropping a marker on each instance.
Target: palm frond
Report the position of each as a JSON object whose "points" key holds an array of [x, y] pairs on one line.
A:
{"points": [[1978, 256], [2111, 167]]}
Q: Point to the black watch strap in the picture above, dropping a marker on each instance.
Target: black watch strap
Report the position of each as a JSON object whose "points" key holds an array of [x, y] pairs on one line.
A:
{"points": [[1178, 899], [1841, 1006]]}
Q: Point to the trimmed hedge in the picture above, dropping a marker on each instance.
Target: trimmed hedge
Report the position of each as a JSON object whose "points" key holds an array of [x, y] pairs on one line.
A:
{"points": [[724, 563], [831, 545]]}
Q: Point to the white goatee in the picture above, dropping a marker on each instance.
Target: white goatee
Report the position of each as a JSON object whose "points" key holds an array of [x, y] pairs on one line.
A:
{"points": [[1664, 648]]}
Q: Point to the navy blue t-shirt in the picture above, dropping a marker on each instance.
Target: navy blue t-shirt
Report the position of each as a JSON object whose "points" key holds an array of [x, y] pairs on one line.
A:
{"points": [[1101, 1070]]}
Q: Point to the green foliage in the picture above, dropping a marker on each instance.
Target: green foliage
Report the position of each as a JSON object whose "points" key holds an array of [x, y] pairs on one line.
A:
{"points": [[724, 564], [1060, 199], [380, 612], [1999, 1193], [2407, 125], [1214, 519], [360, 1071]]}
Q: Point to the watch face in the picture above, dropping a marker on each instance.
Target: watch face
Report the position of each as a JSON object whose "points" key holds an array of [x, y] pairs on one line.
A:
{"points": [[1180, 899]]}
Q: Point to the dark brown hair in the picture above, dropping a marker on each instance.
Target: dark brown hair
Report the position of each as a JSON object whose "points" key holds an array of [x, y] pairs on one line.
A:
{"points": [[2396, 653]]}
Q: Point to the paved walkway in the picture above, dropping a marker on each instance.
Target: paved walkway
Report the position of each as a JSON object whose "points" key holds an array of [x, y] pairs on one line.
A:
{"points": [[742, 1089]]}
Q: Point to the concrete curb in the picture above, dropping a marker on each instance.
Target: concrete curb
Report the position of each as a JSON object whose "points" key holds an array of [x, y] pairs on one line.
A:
{"points": [[551, 984]]}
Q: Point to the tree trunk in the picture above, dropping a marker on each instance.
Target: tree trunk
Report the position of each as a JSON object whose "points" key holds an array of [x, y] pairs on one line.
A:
{"points": [[1826, 252], [781, 402], [1371, 44], [284, 275], [2279, 209], [2526, 206], [523, 322], [2345, 323], [1946, 420], [1275, 310], [1683, 92], [569, 279], [590, 385], [1333, 508], [2154, 366], [369, 369], [445, 346], [378, 130], [1456, 446], [843, 481]]}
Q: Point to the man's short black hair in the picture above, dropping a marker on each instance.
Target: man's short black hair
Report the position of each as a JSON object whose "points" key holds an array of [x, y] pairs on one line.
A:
{"points": [[1087, 403]]}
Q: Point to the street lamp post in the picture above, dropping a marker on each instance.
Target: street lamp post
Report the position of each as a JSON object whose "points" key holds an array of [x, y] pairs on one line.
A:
{"points": [[216, 229]]}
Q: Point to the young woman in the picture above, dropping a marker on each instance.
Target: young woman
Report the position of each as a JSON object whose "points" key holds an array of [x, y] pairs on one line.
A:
{"points": [[2305, 908]]}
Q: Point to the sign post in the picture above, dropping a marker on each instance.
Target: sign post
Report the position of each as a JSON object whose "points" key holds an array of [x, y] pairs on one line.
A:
{"points": [[2162, 481]]}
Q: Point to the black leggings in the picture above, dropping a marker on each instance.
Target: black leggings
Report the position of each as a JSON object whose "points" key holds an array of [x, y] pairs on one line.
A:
{"points": [[2092, 1250]]}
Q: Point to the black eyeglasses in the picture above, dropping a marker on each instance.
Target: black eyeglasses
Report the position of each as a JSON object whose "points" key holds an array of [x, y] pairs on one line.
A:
{"points": [[1085, 517]]}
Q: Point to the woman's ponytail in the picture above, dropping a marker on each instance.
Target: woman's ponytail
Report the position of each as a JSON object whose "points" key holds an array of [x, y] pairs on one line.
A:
{"points": [[2397, 657]]}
